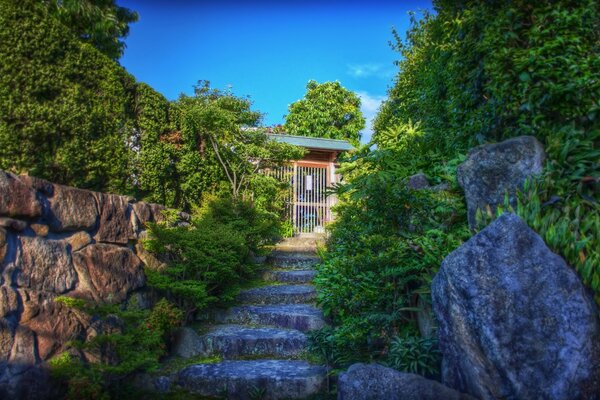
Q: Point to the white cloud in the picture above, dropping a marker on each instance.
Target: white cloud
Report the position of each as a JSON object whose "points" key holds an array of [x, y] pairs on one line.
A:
{"points": [[369, 105], [368, 70]]}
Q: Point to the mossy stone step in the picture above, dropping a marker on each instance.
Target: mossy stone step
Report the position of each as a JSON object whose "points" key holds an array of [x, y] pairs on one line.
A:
{"points": [[303, 317], [265, 379], [237, 341], [290, 276], [278, 294], [293, 260]]}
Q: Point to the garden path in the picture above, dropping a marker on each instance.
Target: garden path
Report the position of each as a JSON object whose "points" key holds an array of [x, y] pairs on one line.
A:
{"points": [[262, 340]]}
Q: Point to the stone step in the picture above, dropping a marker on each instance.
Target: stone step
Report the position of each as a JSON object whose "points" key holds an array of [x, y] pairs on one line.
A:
{"points": [[290, 276], [293, 260], [302, 317], [264, 379], [235, 341], [278, 294]]}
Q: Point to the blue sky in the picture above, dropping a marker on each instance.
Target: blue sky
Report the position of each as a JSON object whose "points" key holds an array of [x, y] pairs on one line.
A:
{"points": [[267, 50]]}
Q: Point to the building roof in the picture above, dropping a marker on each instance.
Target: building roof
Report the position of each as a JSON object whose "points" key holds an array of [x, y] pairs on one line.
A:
{"points": [[312, 142]]}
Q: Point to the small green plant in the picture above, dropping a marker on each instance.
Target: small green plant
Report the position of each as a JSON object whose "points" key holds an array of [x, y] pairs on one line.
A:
{"points": [[414, 354]]}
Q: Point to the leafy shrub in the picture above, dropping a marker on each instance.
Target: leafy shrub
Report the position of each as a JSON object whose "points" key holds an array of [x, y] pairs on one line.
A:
{"points": [[386, 244], [205, 263], [257, 225], [414, 354]]}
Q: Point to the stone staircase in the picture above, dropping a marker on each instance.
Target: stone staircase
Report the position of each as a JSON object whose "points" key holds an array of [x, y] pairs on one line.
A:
{"points": [[262, 340]]}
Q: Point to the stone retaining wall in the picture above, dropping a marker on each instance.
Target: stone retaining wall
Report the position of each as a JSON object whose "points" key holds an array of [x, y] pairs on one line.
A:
{"points": [[57, 240]]}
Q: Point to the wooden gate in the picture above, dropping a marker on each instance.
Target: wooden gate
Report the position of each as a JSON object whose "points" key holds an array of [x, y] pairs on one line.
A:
{"points": [[309, 203]]}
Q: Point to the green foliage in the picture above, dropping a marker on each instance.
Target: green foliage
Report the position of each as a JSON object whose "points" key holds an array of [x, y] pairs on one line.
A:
{"points": [[63, 105], [327, 110], [138, 342], [99, 22], [200, 144], [485, 71], [386, 243], [208, 260], [414, 354]]}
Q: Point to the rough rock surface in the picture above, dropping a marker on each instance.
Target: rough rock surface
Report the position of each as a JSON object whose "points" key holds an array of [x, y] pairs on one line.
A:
{"points": [[302, 317], [234, 341], [278, 294], [418, 181], [492, 170], [72, 209], [49, 246], [3, 245], [514, 319], [293, 276], [14, 224], [375, 382], [22, 201], [115, 220], [279, 379], [45, 265], [108, 272]]}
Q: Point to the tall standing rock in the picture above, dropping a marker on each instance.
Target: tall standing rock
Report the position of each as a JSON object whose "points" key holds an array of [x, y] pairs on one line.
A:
{"points": [[515, 321], [493, 170]]}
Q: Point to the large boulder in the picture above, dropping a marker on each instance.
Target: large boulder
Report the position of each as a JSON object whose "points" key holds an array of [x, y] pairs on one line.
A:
{"points": [[375, 382], [493, 170], [72, 209], [17, 199], [107, 273], [515, 321]]}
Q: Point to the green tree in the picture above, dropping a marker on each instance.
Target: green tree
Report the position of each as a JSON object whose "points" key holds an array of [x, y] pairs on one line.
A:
{"points": [[102, 23], [65, 108], [327, 110], [215, 143]]}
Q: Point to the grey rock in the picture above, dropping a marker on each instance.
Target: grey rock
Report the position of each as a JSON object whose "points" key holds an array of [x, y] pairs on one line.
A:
{"points": [[45, 265], [302, 317], [115, 220], [278, 294], [492, 170], [152, 384], [375, 382], [14, 224], [3, 246], [107, 273], [288, 260], [418, 181], [514, 319], [78, 240], [275, 379], [287, 276], [425, 318], [187, 343], [234, 341], [72, 209], [17, 199]]}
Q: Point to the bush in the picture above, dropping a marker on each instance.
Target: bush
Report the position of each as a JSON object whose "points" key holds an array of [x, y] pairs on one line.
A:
{"points": [[209, 260], [386, 244], [139, 340]]}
